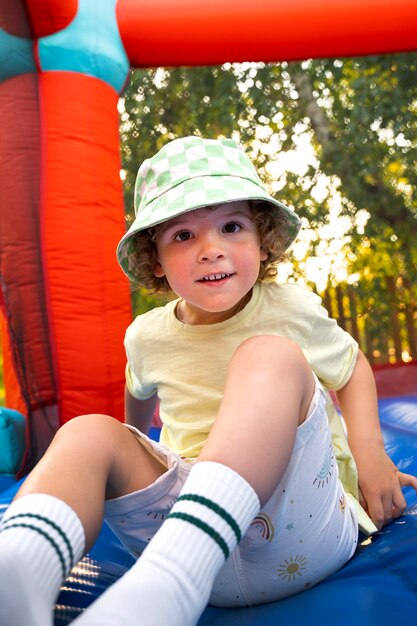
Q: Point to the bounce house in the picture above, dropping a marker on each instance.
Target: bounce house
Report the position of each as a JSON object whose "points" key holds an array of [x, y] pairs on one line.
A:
{"points": [[64, 302]]}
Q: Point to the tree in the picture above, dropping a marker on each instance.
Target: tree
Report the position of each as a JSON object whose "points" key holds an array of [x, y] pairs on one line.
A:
{"points": [[369, 142]]}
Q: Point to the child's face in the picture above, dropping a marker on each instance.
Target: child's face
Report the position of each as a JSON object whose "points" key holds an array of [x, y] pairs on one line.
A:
{"points": [[210, 258]]}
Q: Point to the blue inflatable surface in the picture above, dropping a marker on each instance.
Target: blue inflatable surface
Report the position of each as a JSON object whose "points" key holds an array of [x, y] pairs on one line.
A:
{"points": [[378, 587]]}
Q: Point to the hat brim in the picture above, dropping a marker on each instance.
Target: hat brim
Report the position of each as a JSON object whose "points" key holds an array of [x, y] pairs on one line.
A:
{"points": [[192, 194]]}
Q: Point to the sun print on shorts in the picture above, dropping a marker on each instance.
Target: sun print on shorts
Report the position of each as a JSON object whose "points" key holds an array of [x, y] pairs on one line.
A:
{"points": [[292, 568]]}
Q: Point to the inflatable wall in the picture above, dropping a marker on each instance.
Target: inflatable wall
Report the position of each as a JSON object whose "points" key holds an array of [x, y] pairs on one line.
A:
{"points": [[63, 65]]}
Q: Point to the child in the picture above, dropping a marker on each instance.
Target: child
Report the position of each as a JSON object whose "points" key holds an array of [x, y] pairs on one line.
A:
{"points": [[253, 493]]}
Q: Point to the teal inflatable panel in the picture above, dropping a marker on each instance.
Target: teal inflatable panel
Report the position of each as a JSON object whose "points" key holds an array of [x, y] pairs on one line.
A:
{"points": [[378, 587], [12, 441]]}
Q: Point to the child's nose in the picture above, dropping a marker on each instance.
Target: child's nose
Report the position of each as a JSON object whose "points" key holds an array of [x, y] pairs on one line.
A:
{"points": [[212, 255], [211, 249]]}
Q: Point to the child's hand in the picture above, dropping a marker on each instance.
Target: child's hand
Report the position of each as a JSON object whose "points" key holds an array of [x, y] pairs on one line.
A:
{"points": [[380, 484]]}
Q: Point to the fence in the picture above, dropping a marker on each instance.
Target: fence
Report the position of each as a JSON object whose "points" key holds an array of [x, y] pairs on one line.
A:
{"points": [[380, 314]]}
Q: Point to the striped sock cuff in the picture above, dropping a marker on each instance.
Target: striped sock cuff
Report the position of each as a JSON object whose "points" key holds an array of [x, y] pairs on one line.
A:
{"points": [[216, 508], [219, 502], [208, 528], [41, 522], [50, 531]]}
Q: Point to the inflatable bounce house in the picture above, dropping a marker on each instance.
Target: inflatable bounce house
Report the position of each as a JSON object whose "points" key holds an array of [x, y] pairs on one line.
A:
{"points": [[65, 304]]}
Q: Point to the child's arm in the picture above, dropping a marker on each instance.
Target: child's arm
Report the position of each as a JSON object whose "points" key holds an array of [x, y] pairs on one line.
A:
{"points": [[139, 413], [380, 481]]}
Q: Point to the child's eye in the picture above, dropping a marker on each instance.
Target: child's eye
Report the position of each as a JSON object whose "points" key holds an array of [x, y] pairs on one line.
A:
{"points": [[232, 227], [183, 235]]}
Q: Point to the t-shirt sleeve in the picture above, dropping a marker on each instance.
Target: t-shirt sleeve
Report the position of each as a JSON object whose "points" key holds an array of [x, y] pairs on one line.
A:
{"points": [[136, 384], [331, 351]]}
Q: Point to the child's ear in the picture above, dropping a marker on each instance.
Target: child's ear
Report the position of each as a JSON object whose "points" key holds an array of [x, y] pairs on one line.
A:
{"points": [[264, 255], [158, 270]]}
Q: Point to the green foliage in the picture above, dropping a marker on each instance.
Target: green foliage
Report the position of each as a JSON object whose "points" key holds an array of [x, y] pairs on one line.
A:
{"points": [[372, 147], [144, 301]]}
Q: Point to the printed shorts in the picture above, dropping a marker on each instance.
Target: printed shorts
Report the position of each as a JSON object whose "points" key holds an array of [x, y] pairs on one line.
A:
{"points": [[305, 532]]}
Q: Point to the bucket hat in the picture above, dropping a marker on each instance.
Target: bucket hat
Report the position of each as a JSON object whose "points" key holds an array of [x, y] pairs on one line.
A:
{"points": [[187, 174]]}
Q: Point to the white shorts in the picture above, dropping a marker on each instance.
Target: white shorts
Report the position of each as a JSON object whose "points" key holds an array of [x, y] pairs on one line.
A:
{"points": [[305, 532]]}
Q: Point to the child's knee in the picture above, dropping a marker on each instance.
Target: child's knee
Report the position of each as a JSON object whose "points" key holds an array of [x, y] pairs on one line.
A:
{"points": [[271, 348], [87, 426], [270, 359]]}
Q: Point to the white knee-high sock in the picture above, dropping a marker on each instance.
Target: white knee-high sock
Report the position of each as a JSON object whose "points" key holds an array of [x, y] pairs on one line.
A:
{"points": [[41, 538], [172, 580]]}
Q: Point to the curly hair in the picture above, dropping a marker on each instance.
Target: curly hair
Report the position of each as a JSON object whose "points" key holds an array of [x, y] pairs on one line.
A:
{"points": [[273, 229]]}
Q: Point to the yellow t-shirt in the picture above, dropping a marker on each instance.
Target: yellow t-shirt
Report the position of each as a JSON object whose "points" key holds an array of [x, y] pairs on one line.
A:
{"points": [[187, 365]]}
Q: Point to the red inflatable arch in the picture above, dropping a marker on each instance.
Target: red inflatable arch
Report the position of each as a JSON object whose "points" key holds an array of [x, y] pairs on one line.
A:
{"points": [[64, 302]]}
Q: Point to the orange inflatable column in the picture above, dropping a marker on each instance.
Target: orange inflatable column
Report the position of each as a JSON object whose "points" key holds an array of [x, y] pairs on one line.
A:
{"points": [[65, 302], [82, 221]]}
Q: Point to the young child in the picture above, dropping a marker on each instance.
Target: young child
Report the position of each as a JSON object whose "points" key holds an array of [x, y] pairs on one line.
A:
{"points": [[252, 494]]}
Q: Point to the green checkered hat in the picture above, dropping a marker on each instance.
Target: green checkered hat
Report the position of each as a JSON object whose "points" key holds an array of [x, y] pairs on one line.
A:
{"points": [[188, 174]]}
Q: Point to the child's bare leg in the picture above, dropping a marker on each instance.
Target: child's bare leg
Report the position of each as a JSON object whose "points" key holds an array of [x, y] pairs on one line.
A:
{"points": [[267, 394], [92, 458], [58, 511], [268, 391]]}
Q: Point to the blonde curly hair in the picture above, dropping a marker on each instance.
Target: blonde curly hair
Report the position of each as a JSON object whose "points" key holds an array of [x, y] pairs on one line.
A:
{"points": [[273, 230]]}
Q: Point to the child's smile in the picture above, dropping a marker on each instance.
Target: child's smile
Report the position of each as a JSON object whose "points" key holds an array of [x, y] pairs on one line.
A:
{"points": [[211, 259], [214, 278]]}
